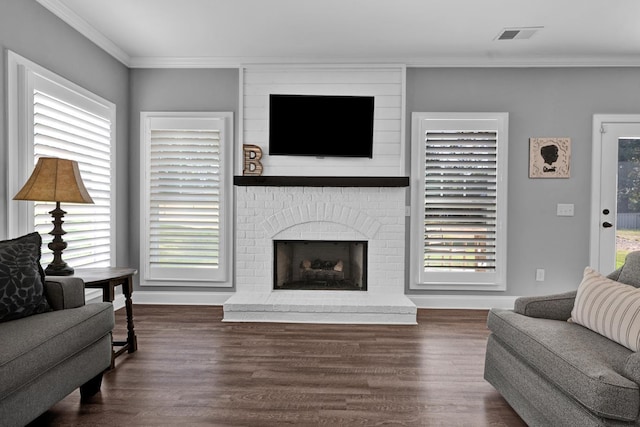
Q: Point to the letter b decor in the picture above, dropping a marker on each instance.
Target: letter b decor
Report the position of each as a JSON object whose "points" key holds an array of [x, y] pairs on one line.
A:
{"points": [[252, 164]]}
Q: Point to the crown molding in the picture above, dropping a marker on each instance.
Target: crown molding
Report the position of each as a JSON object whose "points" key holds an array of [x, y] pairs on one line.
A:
{"points": [[186, 62], [432, 62], [524, 62], [76, 22], [248, 61]]}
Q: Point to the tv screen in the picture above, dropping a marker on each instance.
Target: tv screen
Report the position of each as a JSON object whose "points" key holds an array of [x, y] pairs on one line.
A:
{"points": [[321, 125]]}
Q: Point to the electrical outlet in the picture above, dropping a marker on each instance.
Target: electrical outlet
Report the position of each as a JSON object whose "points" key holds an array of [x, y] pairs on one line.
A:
{"points": [[540, 275]]}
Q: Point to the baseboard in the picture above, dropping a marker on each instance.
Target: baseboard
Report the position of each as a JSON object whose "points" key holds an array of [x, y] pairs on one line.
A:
{"points": [[92, 295], [181, 298], [468, 302], [118, 302]]}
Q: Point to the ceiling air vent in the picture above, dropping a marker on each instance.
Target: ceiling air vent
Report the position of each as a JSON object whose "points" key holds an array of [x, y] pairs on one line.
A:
{"points": [[522, 33]]}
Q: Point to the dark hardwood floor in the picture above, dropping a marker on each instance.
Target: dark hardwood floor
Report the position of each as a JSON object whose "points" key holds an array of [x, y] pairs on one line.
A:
{"points": [[193, 369]]}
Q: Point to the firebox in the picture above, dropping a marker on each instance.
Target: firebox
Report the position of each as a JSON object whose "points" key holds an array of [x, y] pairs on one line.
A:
{"points": [[320, 265]]}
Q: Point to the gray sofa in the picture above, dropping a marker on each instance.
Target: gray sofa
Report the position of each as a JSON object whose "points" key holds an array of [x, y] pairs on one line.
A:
{"points": [[44, 357], [556, 373]]}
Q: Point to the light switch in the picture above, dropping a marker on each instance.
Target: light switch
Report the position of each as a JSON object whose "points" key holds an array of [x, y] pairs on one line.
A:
{"points": [[565, 209]]}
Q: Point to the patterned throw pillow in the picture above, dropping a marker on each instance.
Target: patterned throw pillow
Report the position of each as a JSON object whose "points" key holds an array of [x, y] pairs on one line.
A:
{"points": [[21, 278], [609, 308]]}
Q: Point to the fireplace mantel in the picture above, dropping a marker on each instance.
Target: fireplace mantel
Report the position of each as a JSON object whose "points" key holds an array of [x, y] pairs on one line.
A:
{"points": [[321, 181]]}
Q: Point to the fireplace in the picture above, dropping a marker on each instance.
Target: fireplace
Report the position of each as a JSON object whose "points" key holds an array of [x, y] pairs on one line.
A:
{"points": [[362, 216], [320, 265]]}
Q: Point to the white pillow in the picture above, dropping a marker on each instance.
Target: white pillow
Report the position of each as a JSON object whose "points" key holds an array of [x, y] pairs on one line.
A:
{"points": [[609, 308]]}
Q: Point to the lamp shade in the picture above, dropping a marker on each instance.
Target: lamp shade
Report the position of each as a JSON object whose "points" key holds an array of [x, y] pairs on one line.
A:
{"points": [[55, 180]]}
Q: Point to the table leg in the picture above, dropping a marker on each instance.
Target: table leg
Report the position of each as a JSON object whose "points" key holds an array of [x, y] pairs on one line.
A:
{"points": [[127, 290]]}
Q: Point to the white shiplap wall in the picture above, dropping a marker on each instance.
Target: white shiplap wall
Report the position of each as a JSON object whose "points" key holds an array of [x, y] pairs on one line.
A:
{"points": [[385, 82]]}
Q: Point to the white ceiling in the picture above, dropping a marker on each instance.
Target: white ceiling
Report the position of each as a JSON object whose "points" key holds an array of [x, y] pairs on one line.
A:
{"points": [[218, 33]]}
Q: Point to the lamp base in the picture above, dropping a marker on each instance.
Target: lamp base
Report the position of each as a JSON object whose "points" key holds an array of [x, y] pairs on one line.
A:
{"points": [[58, 270], [58, 267]]}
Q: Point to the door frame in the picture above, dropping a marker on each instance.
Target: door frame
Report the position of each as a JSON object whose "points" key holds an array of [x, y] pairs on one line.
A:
{"points": [[599, 120]]}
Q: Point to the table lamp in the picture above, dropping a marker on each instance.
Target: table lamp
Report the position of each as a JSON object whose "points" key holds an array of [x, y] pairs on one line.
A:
{"points": [[56, 180]]}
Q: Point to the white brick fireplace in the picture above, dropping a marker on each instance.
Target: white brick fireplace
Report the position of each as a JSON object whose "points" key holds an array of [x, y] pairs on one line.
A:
{"points": [[283, 212], [320, 205]]}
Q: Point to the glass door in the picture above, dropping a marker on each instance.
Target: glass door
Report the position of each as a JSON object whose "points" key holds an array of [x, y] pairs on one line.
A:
{"points": [[627, 223], [616, 220]]}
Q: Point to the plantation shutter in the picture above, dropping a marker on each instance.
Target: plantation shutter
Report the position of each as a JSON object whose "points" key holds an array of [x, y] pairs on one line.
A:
{"points": [[460, 200], [460, 229], [185, 198], [81, 132]]}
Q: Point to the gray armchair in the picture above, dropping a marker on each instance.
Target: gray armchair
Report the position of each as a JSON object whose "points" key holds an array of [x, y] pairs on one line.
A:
{"points": [[554, 372]]}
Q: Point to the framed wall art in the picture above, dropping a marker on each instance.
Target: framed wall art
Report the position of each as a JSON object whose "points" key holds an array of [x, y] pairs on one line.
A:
{"points": [[549, 157]]}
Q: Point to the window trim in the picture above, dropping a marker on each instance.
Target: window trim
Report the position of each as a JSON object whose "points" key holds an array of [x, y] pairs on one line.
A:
{"points": [[457, 280], [223, 278], [21, 76]]}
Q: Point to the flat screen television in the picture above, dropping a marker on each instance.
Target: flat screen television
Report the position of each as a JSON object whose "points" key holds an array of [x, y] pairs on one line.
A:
{"points": [[321, 125]]}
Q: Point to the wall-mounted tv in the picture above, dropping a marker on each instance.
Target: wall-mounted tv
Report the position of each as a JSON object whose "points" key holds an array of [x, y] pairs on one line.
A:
{"points": [[321, 125]]}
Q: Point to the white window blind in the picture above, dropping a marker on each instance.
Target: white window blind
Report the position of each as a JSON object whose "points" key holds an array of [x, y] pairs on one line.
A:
{"points": [[185, 192], [462, 191], [62, 129], [460, 200], [48, 115]]}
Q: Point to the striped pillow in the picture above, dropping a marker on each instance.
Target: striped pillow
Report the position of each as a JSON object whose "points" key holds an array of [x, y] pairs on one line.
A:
{"points": [[609, 308]]}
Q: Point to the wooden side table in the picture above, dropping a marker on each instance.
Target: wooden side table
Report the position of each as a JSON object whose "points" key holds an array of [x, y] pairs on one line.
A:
{"points": [[107, 279]]}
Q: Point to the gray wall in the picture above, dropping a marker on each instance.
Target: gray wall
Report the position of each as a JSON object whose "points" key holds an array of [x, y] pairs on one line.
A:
{"points": [[36, 34], [172, 90], [541, 102]]}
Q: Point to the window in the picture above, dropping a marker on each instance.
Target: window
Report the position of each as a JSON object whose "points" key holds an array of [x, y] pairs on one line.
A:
{"points": [[185, 164], [50, 116], [459, 217]]}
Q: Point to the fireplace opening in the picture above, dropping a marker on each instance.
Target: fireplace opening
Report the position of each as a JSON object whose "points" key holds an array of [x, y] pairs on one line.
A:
{"points": [[320, 265]]}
